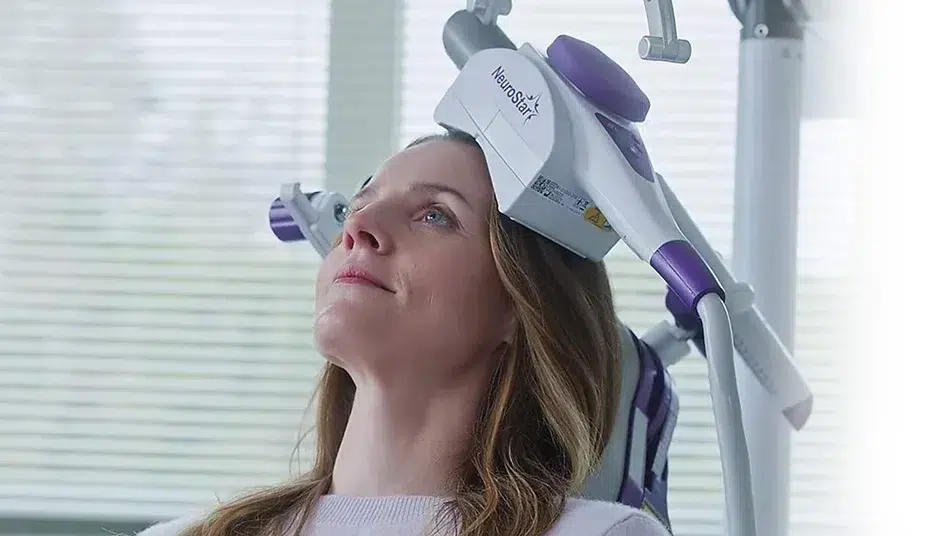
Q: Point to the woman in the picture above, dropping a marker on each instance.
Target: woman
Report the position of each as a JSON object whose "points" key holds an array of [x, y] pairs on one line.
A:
{"points": [[471, 378]]}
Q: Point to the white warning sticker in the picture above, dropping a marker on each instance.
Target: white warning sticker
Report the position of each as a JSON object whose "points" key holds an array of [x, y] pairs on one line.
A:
{"points": [[557, 194]]}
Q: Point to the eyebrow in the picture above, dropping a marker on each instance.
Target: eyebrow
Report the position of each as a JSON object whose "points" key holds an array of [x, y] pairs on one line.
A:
{"points": [[423, 187]]}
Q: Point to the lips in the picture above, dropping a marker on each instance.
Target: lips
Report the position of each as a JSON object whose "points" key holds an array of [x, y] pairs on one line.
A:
{"points": [[359, 276]]}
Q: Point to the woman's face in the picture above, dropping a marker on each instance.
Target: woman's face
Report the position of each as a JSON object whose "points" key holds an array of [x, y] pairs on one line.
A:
{"points": [[412, 287]]}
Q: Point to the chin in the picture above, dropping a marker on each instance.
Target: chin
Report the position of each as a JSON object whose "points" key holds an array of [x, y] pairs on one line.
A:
{"points": [[334, 361], [344, 329]]}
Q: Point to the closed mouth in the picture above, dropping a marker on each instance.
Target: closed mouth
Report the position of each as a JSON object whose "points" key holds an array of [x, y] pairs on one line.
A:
{"points": [[352, 275]]}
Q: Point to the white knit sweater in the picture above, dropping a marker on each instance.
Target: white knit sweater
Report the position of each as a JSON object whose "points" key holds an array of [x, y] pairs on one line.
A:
{"points": [[337, 515]]}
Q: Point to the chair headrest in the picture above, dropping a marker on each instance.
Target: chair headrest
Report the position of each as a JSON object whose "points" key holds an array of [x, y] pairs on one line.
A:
{"points": [[634, 466]]}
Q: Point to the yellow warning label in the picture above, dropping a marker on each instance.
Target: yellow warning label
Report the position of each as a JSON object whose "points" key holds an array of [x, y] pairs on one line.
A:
{"points": [[595, 217]]}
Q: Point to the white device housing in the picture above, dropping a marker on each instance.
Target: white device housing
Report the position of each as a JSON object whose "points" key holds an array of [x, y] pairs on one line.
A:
{"points": [[548, 156], [529, 145]]}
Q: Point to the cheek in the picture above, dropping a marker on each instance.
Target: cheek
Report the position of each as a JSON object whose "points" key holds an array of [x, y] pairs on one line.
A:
{"points": [[326, 271], [463, 284], [464, 311]]}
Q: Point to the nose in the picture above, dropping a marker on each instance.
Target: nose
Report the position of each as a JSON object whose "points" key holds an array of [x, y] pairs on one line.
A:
{"points": [[365, 229]]}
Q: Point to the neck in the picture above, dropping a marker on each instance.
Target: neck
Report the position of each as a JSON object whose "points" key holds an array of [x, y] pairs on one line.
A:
{"points": [[405, 441]]}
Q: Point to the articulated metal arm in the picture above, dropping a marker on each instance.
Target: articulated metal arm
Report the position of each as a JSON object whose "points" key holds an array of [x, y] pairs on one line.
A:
{"points": [[661, 43]]}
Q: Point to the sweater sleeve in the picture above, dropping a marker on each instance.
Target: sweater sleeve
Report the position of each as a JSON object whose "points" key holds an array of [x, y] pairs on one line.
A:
{"points": [[638, 524]]}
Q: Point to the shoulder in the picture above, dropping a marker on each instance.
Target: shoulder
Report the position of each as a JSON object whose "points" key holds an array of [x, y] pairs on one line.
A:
{"points": [[174, 527], [584, 517]]}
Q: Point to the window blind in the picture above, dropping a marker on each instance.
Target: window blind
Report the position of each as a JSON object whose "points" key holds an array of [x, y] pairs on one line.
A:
{"points": [[690, 133], [154, 339]]}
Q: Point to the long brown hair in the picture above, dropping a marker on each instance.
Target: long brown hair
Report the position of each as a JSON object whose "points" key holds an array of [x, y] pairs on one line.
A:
{"points": [[544, 422]]}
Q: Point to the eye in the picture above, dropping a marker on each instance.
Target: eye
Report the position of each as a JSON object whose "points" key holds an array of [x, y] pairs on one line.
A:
{"points": [[350, 209], [437, 216]]}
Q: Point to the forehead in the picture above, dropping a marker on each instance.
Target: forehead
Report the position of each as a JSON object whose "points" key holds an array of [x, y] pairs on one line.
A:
{"points": [[450, 164]]}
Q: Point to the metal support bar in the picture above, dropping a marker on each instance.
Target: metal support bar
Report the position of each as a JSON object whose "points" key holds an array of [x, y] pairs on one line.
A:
{"points": [[765, 226]]}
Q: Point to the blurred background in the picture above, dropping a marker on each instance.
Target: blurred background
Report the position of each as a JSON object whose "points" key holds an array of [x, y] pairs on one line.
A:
{"points": [[155, 338]]}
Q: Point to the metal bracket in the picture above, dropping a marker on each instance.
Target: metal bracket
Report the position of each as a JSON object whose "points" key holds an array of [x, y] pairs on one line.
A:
{"points": [[662, 43], [763, 19], [488, 10]]}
